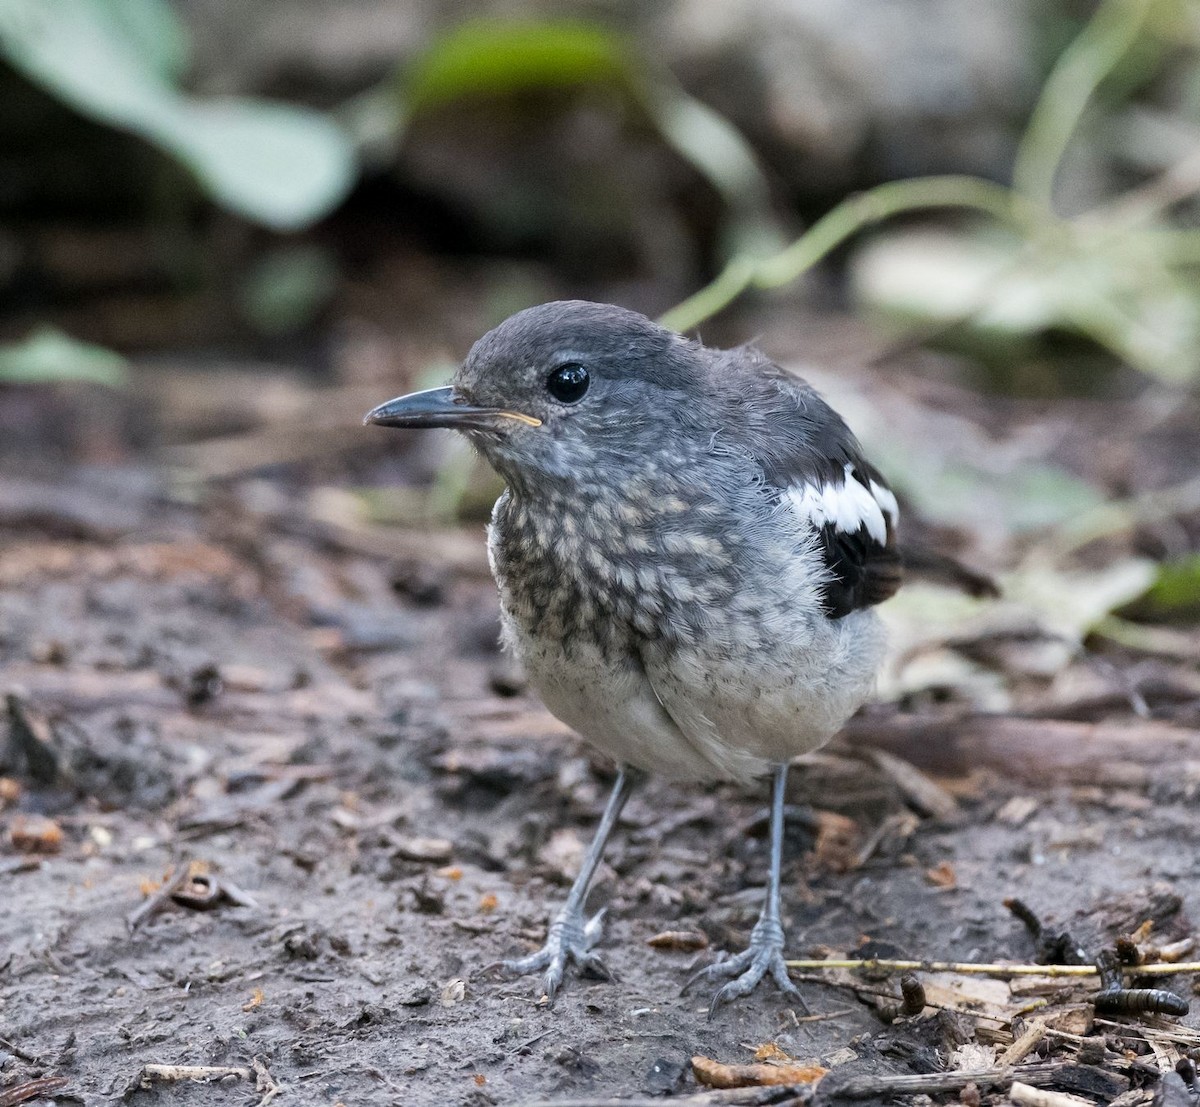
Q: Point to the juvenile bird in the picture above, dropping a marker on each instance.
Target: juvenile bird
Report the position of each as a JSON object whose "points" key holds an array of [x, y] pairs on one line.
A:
{"points": [[688, 552]]}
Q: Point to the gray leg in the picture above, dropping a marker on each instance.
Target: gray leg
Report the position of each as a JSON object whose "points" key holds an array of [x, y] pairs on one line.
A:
{"points": [[765, 953], [571, 935]]}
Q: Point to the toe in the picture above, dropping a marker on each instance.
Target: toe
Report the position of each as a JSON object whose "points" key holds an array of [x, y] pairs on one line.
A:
{"points": [[728, 967], [783, 982], [735, 989], [591, 965], [709, 972], [520, 966], [552, 979]]}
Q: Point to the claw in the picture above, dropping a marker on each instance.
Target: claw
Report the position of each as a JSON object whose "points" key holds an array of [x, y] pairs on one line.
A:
{"points": [[764, 955], [570, 941]]}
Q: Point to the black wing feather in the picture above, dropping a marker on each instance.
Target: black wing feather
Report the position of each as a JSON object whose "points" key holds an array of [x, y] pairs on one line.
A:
{"points": [[801, 442]]}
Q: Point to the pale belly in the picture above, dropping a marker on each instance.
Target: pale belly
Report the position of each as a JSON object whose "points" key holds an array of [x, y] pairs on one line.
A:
{"points": [[689, 714]]}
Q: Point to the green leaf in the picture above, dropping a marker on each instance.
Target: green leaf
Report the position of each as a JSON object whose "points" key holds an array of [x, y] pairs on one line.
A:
{"points": [[278, 165], [498, 58], [156, 32], [50, 357], [282, 166], [1174, 594]]}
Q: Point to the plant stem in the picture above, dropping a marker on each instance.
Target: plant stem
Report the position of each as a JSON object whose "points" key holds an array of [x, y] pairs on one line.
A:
{"points": [[1078, 73], [990, 969], [840, 224]]}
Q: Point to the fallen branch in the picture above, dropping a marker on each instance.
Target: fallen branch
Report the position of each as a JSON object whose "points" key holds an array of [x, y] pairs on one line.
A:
{"points": [[1035, 752], [778, 1095], [1063, 1074], [883, 1086]]}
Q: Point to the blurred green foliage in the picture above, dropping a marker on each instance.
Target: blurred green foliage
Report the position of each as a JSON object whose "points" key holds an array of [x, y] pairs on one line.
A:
{"points": [[119, 62], [1125, 274], [1173, 595], [287, 287], [48, 357], [503, 58]]}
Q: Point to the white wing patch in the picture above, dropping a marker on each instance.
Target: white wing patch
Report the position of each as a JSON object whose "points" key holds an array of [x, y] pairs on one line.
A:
{"points": [[846, 505]]}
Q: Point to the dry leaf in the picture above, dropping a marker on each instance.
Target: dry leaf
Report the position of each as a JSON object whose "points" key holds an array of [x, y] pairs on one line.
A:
{"points": [[35, 834], [942, 875], [1017, 810], [838, 843], [769, 1051], [684, 941]]}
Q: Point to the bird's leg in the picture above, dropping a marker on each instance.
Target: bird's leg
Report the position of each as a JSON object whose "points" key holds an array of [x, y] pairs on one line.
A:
{"points": [[765, 952], [572, 935]]}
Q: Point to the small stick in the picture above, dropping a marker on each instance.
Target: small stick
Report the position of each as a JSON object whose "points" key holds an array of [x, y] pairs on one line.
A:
{"points": [[173, 1073], [1025, 1044], [862, 990], [967, 968], [159, 898], [43, 1086]]}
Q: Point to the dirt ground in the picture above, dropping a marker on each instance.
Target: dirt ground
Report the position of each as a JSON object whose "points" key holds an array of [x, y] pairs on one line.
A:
{"points": [[316, 719]]}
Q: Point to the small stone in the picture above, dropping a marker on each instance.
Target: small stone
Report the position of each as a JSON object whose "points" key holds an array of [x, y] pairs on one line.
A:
{"points": [[433, 850], [665, 1077], [418, 995]]}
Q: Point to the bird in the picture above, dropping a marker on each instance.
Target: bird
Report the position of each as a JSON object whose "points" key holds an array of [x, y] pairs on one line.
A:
{"points": [[689, 551]]}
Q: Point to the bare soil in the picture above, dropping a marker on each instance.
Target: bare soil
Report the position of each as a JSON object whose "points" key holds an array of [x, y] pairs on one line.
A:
{"points": [[322, 722]]}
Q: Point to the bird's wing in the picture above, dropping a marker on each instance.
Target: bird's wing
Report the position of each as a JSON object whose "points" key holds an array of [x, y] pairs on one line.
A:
{"points": [[809, 454], [855, 515]]}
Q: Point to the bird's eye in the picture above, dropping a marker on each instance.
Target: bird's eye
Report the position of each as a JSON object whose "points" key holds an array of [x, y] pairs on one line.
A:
{"points": [[568, 383]]}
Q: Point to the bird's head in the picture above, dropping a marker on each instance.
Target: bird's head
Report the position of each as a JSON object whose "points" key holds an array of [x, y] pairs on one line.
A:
{"points": [[564, 386]]}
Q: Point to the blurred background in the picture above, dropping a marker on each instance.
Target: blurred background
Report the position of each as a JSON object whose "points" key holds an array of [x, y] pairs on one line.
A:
{"points": [[227, 230]]}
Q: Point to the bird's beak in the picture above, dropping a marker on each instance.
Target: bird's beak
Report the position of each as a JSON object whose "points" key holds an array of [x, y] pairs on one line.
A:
{"points": [[441, 407]]}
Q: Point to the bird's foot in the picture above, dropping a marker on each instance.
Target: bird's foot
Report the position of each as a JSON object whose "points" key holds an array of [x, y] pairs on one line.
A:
{"points": [[570, 940], [764, 955]]}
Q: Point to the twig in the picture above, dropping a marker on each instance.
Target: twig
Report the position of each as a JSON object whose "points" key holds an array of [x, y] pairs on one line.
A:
{"points": [[883, 1085], [1024, 1095], [777, 1095], [160, 898], [175, 1073], [22, 1054], [43, 1086], [1025, 1044], [973, 968], [860, 990]]}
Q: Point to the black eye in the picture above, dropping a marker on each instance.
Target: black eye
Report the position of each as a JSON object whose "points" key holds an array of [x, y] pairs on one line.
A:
{"points": [[568, 383]]}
